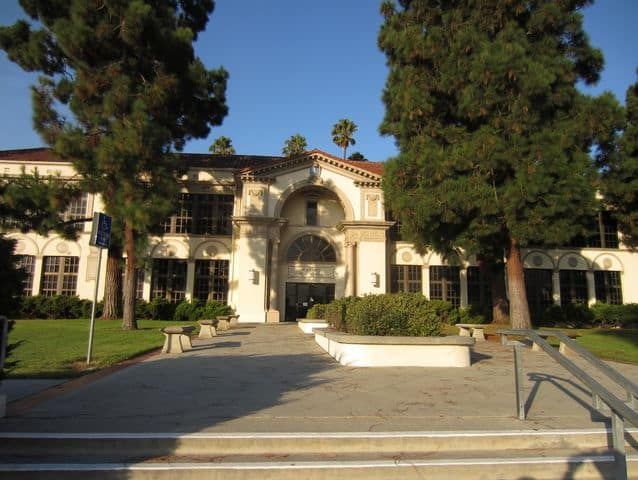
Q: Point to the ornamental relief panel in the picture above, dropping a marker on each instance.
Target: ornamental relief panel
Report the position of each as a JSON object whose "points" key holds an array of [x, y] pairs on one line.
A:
{"points": [[372, 235], [311, 272], [256, 200]]}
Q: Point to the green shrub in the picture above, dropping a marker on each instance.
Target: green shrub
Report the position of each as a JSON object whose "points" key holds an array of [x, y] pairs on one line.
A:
{"points": [[161, 309], [403, 314], [213, 309], [188, 311], [572, 315], [317, 311], [606, 315], [336, 311], [142, 309], [56, 306]]}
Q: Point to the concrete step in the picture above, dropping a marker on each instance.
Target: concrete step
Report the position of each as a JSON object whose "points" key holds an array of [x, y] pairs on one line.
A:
{"points": [[546, 454]]}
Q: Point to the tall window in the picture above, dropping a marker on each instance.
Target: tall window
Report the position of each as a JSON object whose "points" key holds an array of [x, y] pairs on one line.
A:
{"points": [[203, 214], [406, 278], [211, 280], [573, 287], [139, 282], [538, 285], [608, 287], [394, 232], [181, 221], [604, 233], [169, 280], [479, 293], [27, 264], [310, 248], [311, 212], [445, 284], [59, 276]]}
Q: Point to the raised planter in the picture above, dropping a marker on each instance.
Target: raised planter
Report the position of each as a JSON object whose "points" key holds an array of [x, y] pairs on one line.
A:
{"points": [[307, 325], [368, 351]]}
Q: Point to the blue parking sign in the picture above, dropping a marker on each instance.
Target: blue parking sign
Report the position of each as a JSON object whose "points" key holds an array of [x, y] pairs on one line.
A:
{"points": [[101, 230]]}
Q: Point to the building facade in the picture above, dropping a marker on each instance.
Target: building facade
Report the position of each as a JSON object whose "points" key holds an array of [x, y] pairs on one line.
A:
{"points": [[271, 236]]}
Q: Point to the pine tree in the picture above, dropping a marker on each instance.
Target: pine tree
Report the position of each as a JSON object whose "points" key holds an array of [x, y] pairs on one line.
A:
{"points": [[222, 146], [127, 72], [619, 166], [493, 135], [295, 145]]}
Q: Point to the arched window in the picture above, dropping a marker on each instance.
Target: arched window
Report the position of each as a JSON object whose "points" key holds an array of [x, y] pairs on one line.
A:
{"points": [[311, 248]]}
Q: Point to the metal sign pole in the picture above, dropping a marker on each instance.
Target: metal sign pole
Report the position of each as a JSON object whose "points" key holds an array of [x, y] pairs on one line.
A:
{"points": [[91, 330]]}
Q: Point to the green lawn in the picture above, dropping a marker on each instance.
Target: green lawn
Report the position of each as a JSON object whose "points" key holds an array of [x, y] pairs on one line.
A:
{"points": [[620, 345], [57, 348]]}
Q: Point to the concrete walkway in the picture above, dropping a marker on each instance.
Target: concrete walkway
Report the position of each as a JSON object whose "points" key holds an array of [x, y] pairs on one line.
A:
{"points": [[272, 378]]}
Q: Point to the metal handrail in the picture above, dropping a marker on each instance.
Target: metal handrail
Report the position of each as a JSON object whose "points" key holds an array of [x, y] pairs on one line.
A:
{"points": [[630, 387], [619, 410]]}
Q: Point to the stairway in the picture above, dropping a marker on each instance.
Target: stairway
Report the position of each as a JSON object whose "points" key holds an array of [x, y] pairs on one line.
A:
{"points": [[545, 454]]}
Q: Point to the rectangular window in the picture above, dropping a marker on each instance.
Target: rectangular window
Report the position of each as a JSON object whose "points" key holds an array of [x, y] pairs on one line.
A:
{"points": [[169, 280], [479, 293], [445, 284], [311, 213], [211, 280], [27, 264], [573, 287], [603, 233], [608, 287], [406, 278], [538, 286], [139, 282], [609, 230], [203, 214], [212, 214], [394, 232], [59, 276]]}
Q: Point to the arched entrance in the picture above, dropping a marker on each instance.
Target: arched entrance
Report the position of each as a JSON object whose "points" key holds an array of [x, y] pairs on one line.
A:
{"points": [[311, 264]]}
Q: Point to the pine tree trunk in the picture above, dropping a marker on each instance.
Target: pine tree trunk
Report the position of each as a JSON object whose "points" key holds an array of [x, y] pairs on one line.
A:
{"points": [[129, 321], [519, 309], [113, 285], [500, 304]]}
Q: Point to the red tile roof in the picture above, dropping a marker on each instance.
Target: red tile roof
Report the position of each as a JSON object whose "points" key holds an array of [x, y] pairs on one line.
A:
{"points": [[204, 160]]}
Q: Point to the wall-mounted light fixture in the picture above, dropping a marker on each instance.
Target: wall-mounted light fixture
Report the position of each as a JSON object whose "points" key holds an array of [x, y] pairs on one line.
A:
{"points": [[253, 276], [314, 171], [374, 279]]}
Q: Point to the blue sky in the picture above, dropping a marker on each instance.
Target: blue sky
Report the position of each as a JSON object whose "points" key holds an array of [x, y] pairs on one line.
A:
{"points": [[300, 66]]}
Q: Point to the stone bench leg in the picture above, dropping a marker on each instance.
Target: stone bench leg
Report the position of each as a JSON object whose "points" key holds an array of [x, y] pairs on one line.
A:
{"points": [[223, 325], [478, 334], [185, 341], [207, 331], [464, 332], [173, 343]]}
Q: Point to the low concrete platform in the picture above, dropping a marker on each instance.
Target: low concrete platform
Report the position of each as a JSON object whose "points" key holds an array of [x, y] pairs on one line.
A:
{"points": [[273, 378]]}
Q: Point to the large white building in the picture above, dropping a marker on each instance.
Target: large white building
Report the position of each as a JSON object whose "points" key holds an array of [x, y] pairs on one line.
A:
{"points": [[271, 236]]}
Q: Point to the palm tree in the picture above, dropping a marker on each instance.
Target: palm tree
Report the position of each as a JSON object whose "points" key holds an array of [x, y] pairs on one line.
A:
{"points": [[295, 145], [342, 134], [222, 146]]}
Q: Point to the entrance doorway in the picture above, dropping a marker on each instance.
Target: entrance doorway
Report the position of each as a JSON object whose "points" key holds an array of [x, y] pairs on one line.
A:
{"points": [[301, 296]]}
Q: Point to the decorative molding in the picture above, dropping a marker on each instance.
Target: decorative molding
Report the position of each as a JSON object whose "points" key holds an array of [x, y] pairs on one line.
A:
{"points": [[62, 247], [311, 272], [365, 235]]}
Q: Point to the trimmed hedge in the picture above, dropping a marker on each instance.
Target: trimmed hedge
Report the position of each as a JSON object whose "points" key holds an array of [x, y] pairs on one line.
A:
{"points": [[57, 306], [317, 311], [391, 314], [581, 316]]}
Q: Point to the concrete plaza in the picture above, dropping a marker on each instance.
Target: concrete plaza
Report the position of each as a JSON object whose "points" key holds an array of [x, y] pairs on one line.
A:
{"points": [[273, 378]]}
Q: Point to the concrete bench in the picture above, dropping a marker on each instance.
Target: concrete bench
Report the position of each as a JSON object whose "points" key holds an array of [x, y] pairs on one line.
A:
{"points": [[474, 330], [223, 322], [177, 339], [233, 320], [207, 328]]}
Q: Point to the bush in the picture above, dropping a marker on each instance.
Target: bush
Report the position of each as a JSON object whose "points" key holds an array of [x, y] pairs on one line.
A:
{"points": [[213, 309], [572, 315], [404, 314], [187, 311], [336, 311], [57, 306], [606, 315], [161, 309], [317, 311]]}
